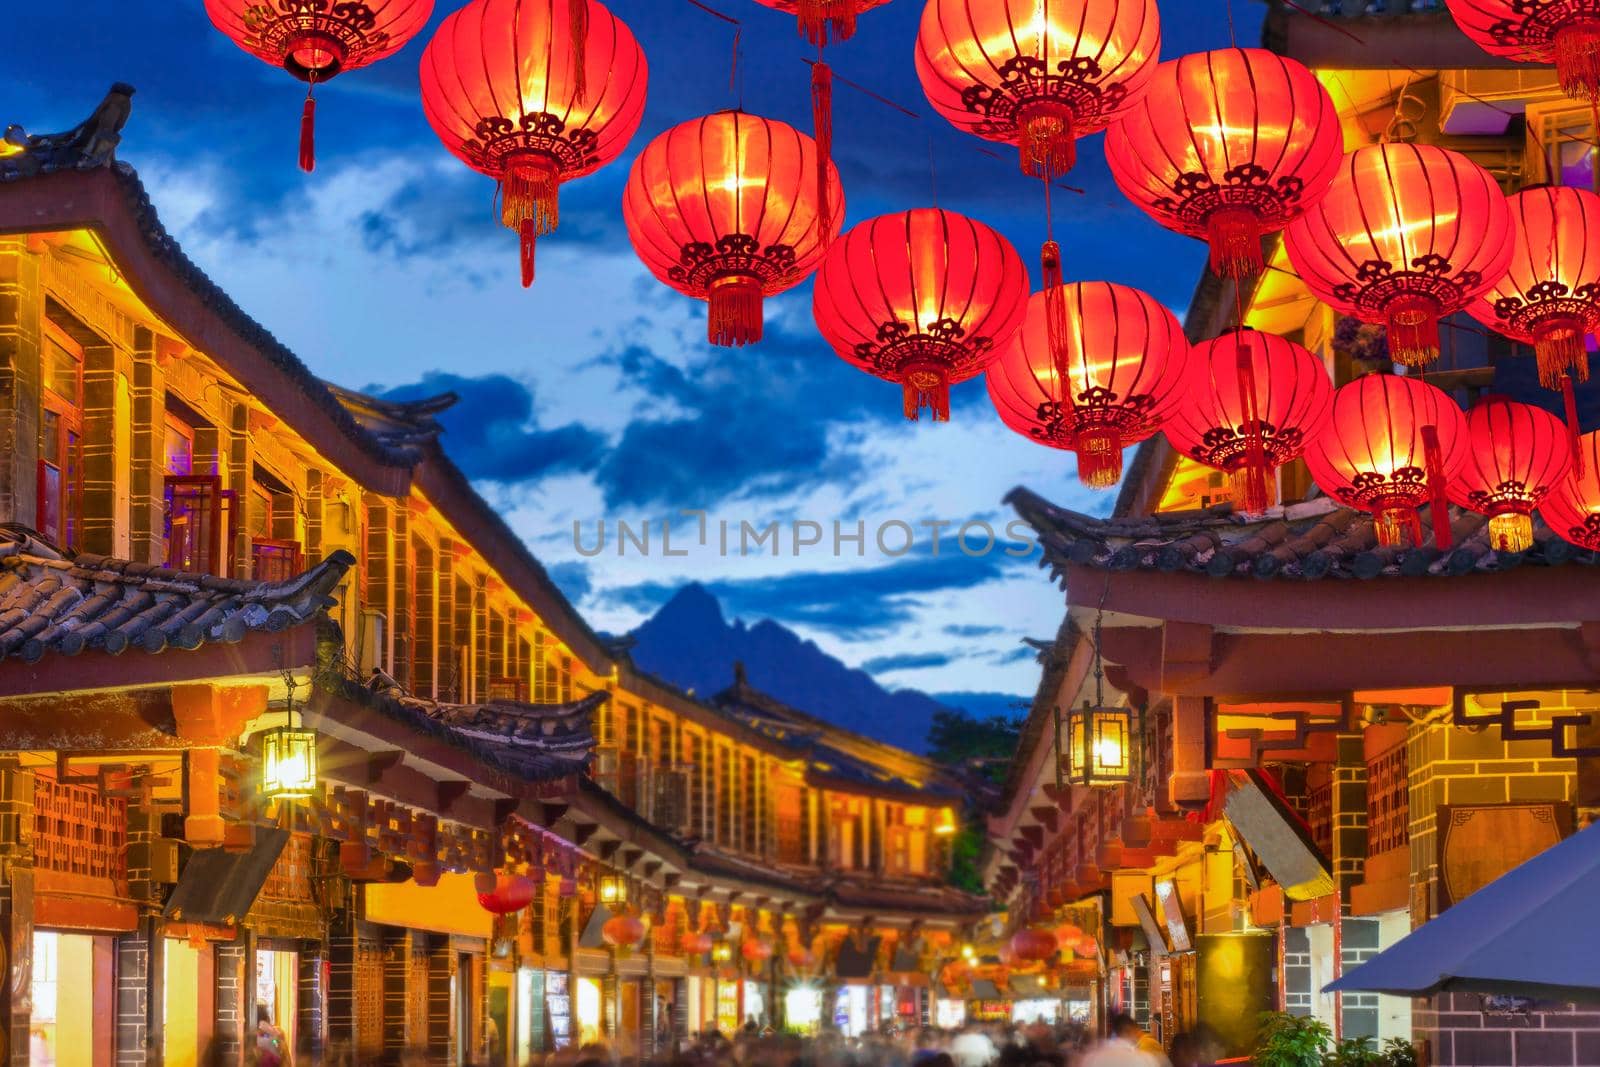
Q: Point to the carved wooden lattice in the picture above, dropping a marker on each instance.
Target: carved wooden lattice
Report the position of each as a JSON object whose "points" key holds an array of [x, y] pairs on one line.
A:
{"points": [[79, 830], [1319, 816], [1388, 801], [369, 1001]]}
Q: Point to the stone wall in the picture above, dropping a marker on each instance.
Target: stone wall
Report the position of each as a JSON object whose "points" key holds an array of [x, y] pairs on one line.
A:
{"points": [[1461, 1033]]}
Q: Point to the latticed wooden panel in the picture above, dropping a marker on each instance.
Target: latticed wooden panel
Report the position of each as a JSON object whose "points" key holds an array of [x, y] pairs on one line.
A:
{"points": [[79, 830], [290, 877], [1319, 816], [369, 1001], [1388, 801]]}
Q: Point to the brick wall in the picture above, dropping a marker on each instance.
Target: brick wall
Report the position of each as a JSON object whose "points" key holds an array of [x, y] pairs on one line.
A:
{"points": [[133, 999], [1358, 1012], [1550, 1035], [234, 1004], [1296, 970]]}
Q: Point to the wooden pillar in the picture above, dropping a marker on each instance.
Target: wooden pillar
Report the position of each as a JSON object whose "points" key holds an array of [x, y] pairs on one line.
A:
{"points": [[343, 948], [401, 620], [425, 620], [441, 975], [16, 908], [445, 639], [1190, 786], [311, 1003], [101, 463], [480, 639], [380, 569], [21, 326], [147, 541], [396, 1004], [241, 475], [233, 1002]]}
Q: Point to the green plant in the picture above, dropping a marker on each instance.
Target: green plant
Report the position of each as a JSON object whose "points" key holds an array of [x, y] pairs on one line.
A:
{"points": [[1354, 1052], [1398, 1052], [1291, 1041]]}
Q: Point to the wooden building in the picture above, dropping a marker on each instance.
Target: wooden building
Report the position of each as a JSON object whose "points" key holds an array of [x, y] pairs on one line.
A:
{"points": [[285, 702], [1327, 741]]}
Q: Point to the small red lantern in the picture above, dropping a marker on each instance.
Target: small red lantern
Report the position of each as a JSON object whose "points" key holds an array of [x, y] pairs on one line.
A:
{"points": [[1249, 405], [801, 959], [1565, 33], [1516, 453], [1407, 234], [1115, 374], [695, 944], [824, 20], [1227, 146], [1038, 78], [1086, 946], [1390, 445], [622, 931], [924, 298], [1572, 508], [1549, 296], [502, 894], [756, 950], [720, 208], [505, 86], [1033, 944], [314, 40]]}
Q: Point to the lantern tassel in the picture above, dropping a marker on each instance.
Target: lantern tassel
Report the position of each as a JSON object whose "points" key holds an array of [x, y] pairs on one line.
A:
{"points": [[578, 17], [1413, 326], [925, 387], [1049, 147], [1558, 346], [1099, 451], [820, 19], [1234, 237], [1433, 463], [1576, 51], [1057, 330], [528, 236], [822, 120], [1253, 498], [735, 316], [308, 134], [1569, 401]]}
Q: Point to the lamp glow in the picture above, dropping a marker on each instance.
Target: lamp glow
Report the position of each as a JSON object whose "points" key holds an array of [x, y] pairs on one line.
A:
{"points": [[1098, 746], [288, 763], [613, 890]]}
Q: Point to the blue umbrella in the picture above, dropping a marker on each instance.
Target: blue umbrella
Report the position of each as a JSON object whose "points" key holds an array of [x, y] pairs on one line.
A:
{"points": [[1528, 933]]}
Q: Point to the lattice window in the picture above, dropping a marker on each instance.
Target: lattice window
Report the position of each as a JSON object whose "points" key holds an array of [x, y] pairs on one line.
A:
{"points": [[79, 830], [1319, 816], [274, 560], [369, 1000], [1388, 801], [290, 877]]}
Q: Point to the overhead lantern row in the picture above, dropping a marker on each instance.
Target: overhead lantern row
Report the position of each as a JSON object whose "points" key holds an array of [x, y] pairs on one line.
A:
{"points": [[1226, 146]]}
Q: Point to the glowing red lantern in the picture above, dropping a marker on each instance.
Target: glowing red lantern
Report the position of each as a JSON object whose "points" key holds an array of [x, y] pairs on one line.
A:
{"points": [[720, 209], [1572, 508], [1226, 146], [1122, 360], [1249, 405], [924, 298], [315, 40], [756, 950], [1086, 946], [1032, 944], [622, 931], [502, 894], [1038, 78], [1565, 33], [506, 86], [695, 944], [1390, 445], [1549, 296], [1406, 234], [1516, 453], [821, 20]]}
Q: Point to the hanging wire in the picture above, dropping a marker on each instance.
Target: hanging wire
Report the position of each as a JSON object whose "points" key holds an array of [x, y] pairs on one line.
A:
{"points": [[735, 70]]}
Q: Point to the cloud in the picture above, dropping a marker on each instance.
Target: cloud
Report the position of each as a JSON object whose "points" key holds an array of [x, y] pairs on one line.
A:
{"points": [[572, 578], [907, 661], [971, 630], [492, 433]]}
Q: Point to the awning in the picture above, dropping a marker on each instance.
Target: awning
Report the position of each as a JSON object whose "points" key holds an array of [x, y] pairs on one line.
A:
{"points": [[856, 963], [219, 886], [1276, 835], [1524, 934], [1147, 922], [1028, 985], [983, 989], [592, 936]]}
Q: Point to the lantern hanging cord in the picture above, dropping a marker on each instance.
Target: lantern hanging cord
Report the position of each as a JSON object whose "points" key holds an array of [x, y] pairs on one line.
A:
{"points": [[1099, 665], [1233, 41], [735, 72]]}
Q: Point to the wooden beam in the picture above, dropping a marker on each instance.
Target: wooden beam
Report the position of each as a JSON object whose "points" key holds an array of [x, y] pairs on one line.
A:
{"points": [[378, 762], [450, 792]]}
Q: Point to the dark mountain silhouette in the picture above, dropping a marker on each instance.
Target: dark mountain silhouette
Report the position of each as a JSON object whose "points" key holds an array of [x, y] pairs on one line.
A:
{"points": [[689, 643]]}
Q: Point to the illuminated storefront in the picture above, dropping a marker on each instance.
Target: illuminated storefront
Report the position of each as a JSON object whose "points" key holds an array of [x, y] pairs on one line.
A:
{"points": [[802, 1008], [949, 1014], [850, 1010], [1036, 1010]]}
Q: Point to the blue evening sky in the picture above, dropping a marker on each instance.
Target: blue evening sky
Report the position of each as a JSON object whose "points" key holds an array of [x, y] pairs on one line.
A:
{"points": [[594, 395]]}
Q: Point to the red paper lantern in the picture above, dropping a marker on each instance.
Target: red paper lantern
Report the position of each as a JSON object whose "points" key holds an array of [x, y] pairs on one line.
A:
{"points": [[622, 931], [822, 20], [695, 944], [1407, 234], [756, 950], [314, 40], [1249, 405], [1032, 944], [720, 208], [1086, 946], [1390, 445], [1565, 33], [1572, 508], [1549, 296], [1226, 146], [1516, 453], [801, 959], [924, 298], [533, 93], [502, 894], [1123, 357], [1038, 78]]}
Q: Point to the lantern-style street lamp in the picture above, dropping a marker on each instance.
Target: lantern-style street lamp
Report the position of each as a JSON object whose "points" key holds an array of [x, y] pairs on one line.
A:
{"points": [[722, 952], [613, 890], [1098, 746], [946, 825], [288, 758]]}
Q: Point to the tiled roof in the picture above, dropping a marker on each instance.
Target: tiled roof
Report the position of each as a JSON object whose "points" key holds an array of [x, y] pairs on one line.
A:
{"points": [[53, 602], [536, 742], [1314, 539]]}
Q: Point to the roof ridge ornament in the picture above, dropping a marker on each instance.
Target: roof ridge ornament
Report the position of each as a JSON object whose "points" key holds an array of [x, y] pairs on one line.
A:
{"points": [[90, 144]]}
